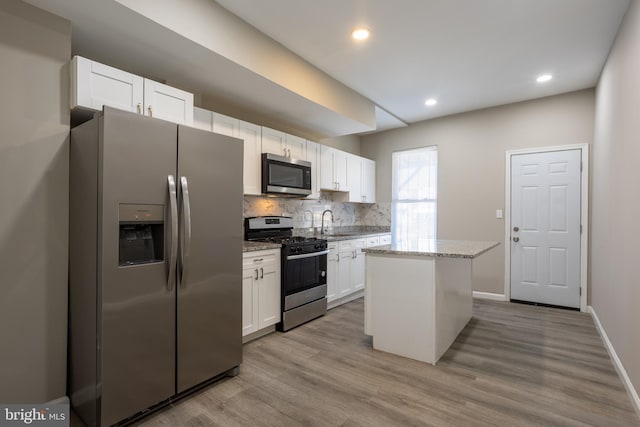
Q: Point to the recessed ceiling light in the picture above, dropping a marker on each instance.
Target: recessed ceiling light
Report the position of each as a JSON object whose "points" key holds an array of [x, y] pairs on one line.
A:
{"points": [[360, 34], [430, 102], [544, 78]]}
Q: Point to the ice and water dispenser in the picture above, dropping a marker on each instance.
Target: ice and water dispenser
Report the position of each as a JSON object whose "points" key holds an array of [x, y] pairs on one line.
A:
{"points": [[141, 234]]}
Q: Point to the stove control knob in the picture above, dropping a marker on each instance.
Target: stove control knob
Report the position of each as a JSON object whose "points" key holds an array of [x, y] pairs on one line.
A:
{"points": [[292, 249], [299, 249], [317, 246]]}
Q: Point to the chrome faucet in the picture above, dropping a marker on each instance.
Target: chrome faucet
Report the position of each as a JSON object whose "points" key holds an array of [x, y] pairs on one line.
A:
{"points": [[322, 224]]}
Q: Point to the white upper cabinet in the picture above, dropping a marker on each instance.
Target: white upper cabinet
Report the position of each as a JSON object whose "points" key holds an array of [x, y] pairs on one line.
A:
{"points": [[226, 125], [168, 103], [333, 169], [327, 179], [313, 156], [283, 144], [354, 179], [251, 134], [202, 119], [273, 141], [94, 85], [368, 181], [296, 146]]}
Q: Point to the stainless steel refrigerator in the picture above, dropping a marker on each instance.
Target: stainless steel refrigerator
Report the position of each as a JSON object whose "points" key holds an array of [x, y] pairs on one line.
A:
{"points": [[155, 280]]}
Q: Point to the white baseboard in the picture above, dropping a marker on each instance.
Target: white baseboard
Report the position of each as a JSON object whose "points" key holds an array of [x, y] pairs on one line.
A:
{"points": [[489, 295], [633, 394]]}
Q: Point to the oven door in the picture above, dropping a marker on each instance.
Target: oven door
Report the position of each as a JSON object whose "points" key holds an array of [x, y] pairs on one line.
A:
{"points": [[303, 272]]}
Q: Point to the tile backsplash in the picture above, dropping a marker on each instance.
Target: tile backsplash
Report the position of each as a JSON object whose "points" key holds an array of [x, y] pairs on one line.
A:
{"points": [[308, 213]]}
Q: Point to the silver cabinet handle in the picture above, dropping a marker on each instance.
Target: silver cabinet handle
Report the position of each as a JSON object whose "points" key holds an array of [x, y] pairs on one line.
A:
{"points": [[150, 111], [139, 108], [173, 210], [337, 257], [516, 239], [186, 234], [258, 260], [516, 229], [256, 270], [261, 272]]}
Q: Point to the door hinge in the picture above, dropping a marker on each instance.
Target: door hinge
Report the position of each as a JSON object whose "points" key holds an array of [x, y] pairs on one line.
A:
{"points": [[580, 166], [580, 228], [580, 289]]}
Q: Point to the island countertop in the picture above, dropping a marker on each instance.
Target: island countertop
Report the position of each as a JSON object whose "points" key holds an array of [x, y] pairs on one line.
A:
{"points": [[435, 248]]}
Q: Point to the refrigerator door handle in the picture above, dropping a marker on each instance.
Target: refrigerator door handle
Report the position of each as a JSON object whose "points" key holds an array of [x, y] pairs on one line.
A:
{"points": [[186, 235], [173, 255]]}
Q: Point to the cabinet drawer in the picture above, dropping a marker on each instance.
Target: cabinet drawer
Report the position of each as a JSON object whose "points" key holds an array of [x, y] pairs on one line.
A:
{"points": [[385, 240], [373, 241], [260, 258], [353, 244]]}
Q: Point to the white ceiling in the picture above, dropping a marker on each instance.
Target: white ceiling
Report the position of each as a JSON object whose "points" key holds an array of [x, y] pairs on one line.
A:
{"points": [[469, 54]]}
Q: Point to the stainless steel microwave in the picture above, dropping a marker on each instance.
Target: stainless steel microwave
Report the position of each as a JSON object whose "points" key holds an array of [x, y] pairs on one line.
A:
{"points": [[285, 176]]}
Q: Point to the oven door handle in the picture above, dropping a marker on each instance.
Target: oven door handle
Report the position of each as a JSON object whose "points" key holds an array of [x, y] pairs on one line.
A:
{"points": [[290, 257]]}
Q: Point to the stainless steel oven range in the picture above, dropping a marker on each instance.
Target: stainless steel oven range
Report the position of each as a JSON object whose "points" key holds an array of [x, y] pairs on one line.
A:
{"points": [[303, 265]]}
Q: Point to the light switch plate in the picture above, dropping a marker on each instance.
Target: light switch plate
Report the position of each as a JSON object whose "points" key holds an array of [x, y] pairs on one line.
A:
{"points": [[499, 214]]}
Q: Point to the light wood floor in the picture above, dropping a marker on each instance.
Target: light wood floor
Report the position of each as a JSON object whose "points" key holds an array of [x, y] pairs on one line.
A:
{"points": [[513, 365]]}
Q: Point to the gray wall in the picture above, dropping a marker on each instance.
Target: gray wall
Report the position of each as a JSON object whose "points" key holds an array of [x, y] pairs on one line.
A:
{"points": [[471, 157], [35, 47], [615, 248], [348, 143]]}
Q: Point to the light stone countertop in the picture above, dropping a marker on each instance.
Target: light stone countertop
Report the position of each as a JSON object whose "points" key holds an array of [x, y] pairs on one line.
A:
{"points": [[435, 248], [259, 246]]}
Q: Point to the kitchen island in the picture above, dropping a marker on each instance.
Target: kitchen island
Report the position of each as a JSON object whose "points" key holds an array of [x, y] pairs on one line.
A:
{"points": [[418, 295]]}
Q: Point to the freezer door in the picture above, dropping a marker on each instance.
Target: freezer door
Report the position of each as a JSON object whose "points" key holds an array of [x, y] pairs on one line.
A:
{"points": [[210, 262], [137, 329]]}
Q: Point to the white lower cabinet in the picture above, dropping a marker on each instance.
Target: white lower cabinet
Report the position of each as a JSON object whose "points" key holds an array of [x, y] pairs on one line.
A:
{"points": [[345, 271], [260, 290], [346, 268]]}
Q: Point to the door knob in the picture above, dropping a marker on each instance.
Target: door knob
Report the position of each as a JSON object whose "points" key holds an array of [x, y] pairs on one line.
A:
{"points": [[516, 229], [516, 239]]}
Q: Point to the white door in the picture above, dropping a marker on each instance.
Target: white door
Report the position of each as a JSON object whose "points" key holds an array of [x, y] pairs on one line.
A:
{"points": [[545, 227], [251, 135], [268, 296], [168, 103], [250, 277]]}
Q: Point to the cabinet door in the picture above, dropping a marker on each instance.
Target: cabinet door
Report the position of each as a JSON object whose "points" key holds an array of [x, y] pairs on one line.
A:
{"points": [[225, 125], [94, 85], [296, 147], [202, 119], [345, 286], [273, 141], [340, 170], [368, 181], [313, 156], [268, 295], [354, 180], [251, 134], [332, 274], [168, 103], [327, 179], [357, 271], [249, 301]]}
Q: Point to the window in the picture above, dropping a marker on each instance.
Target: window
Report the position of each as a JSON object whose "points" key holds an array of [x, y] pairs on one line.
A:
{"points": [[414, 202]]}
